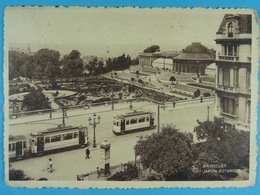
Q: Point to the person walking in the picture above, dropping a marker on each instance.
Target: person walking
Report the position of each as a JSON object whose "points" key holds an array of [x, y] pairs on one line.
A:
{"points": [[87, 153], [50, 168], [173, 104]]}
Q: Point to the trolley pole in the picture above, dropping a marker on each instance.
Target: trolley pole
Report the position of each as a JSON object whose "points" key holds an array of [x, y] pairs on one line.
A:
{"points": [[159, 118]]}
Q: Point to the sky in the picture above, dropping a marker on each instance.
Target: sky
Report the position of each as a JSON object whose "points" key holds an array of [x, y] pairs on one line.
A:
{"points": [[109, 32]]}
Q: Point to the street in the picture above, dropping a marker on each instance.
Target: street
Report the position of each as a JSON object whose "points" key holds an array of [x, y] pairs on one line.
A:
{"points": [[73, 162]]}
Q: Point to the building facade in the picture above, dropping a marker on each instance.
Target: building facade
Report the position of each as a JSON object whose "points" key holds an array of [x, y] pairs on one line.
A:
{"points": [[233, 85], [194, 59]]}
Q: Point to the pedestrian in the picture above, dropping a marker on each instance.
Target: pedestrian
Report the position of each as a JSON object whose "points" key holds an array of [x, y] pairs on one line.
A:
{"points": [[201, 98], [50, 165], [98, 172], [87, 153], [173, 104]]}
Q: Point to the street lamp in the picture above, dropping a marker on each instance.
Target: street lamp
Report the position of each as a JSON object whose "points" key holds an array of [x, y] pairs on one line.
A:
{"points": [[208, 112], [94, 124], [50, 111]]}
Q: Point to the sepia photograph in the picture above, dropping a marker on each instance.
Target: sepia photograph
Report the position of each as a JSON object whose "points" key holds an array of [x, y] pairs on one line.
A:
{"points": [[130, 97]]}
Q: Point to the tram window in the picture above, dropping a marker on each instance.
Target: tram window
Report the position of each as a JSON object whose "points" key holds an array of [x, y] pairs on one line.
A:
{"points": [[67, 136], [14, 146], [76, 135], [141, 120], [147, 118], [56, 138], [24, 144], [47, 139], [133, 121], [127, 122]]}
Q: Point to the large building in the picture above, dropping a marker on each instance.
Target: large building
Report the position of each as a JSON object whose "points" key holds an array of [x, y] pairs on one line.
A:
{"points": [[194, 59], [151, 62], [233, 86]]}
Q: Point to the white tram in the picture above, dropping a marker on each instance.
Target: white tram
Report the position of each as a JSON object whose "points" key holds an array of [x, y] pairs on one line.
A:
{"points": [[132, 122], [58, 138], [17, 146]]}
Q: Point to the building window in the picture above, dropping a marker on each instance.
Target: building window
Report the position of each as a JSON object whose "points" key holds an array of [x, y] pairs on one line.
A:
{"points": [[248, 77], [249, 111], [229, 106], [226, 76], [235, 78], [230, 29]]}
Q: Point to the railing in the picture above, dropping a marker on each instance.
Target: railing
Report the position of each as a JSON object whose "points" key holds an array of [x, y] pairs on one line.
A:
{"points": [[228, 58], [228, 88], [228, 115]]}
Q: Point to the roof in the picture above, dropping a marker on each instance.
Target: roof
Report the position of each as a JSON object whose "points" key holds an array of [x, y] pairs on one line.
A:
{"points": [[58, 129], [195, 57], [16, 138], [244, 23], [165, 54], [134, 113], [195, 47]]}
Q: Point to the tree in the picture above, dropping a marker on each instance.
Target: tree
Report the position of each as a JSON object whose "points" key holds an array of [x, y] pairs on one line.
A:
{"points": [[168, 153], [152, 49], [28, 69], [130, 172], [222, 145], [72, 65], [135, 61], [16, 62], [46, 57], [17, 175], [36, 100], [210, 130]]}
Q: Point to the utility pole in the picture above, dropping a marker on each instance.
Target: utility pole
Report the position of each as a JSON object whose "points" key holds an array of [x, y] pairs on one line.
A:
{"points": [[112, 99], [50, 111], [131, 106], [64, 114], [158, 118], [208, 113]]}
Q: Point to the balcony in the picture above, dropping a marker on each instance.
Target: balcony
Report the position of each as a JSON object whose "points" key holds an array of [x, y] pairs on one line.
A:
{"points": [[228, 58], [228, 88], [229, 116]]}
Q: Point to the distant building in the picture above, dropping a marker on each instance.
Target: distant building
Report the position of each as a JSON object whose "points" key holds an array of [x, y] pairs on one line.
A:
{"points": [[161, 60], [210, 70], [21, 50], [233, 85], [163, 63], [194, 59]]}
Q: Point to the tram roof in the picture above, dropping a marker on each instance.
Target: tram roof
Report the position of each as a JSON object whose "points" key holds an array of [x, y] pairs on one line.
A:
{"points": [[16, 138], [135, 113], [58, 129]]}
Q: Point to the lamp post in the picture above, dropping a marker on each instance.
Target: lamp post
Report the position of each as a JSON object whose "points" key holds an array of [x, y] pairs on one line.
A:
{"points": [[64, 114], [131, 106], [112, 96], [50, 111], [94, 124], [208, 112]]}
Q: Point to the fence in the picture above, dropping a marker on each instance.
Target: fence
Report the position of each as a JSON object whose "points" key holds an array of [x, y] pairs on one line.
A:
{"points": [[128, 102]]}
